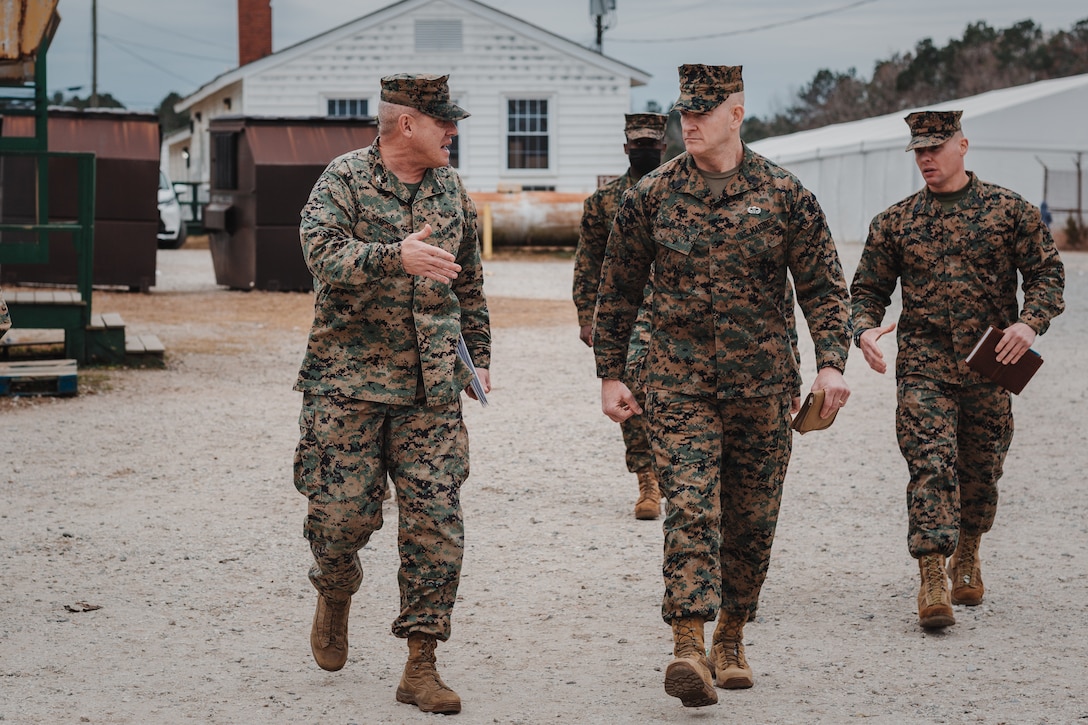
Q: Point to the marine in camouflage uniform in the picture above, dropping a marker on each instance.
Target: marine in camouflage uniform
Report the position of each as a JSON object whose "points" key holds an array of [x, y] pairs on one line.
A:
{"points": [[390, 235], [722, 377], [955, 248], [645, 134]]}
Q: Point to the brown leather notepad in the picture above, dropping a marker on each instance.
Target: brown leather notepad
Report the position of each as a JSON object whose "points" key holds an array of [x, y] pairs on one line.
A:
{"points": [[983, 359], [808, 418]]}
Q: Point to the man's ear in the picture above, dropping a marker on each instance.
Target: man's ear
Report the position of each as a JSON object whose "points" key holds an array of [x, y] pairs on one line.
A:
{"points": [[737, 116], [406, 124]]}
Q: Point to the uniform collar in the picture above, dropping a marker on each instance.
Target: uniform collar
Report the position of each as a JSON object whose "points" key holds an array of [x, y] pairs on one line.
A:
{"points": [[929, 204], [693, 183], [433, 182]]}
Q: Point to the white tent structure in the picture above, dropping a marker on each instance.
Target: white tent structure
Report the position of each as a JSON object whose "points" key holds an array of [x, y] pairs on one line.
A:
{"points": [[1032, 139]]}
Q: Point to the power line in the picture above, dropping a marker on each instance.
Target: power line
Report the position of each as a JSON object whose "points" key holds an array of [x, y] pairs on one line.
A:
{"points": [[169, 31], [139, 57], [160, 49], [754, 29]]}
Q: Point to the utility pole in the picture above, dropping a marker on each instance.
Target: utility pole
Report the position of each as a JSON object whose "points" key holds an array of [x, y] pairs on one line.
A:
{"points": [[94, 54], [602, 13]]}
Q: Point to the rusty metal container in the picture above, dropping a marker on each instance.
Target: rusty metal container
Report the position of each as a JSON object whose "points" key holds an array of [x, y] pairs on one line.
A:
{"points": [[24, 26], [533, 218], [126, 147], [262, 172]]}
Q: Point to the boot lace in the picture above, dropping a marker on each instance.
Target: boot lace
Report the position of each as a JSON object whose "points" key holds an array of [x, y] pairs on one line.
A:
{"points": [[647, 485], [334, 611], [733, 655], [966, 560], [424, 665], [686, 642], [727, 640], [934, 579]]}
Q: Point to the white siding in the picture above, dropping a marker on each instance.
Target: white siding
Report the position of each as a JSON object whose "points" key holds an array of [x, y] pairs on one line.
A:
{"points": [[586, 101], [227, 101]]}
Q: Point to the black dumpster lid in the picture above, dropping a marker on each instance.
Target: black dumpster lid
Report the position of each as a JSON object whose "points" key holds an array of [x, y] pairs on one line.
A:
{"points": [[301, 140]]}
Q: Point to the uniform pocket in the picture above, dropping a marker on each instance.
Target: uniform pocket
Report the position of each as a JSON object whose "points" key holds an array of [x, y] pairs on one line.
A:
{"points": [[764, 236], [682, 243]]}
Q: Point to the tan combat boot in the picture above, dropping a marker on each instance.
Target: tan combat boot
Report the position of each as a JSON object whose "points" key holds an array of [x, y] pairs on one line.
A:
{"points": [[965, 572], [648, 505], [689, 676], [934, 605], [731, 670], [329, 635], [420, 684]]}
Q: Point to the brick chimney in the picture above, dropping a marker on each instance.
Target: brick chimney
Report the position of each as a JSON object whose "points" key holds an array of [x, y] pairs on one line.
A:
{"points": [[254, 30]]}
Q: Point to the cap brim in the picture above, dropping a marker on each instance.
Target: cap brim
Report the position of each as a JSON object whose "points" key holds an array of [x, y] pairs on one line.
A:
{"points": [[696, 105], [926, 141], [447, 112]]}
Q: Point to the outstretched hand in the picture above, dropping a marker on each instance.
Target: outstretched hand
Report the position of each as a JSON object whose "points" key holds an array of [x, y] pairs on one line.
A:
{"points": [[869, 347], [426, 260]]}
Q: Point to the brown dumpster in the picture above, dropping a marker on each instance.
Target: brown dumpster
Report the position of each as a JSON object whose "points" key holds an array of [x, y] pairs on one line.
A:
{"points": [[262, 171], [126, 147]]}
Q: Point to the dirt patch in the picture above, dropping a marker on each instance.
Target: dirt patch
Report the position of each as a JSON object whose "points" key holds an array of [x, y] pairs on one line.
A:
{"points": [[154, 568]]}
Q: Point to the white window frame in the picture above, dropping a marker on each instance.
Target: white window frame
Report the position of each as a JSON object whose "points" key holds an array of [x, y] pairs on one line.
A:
{"points": [[531, 174], [326, 100]]}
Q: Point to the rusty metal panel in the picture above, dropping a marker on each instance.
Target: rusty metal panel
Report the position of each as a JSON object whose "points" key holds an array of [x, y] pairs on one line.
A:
{"points": [[124, 256], [305, 142], [126, 148], [24, 25], [109, 134]]}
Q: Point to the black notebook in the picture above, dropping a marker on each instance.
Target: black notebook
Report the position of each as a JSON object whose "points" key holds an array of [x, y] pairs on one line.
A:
{"points": [[983, 359]]}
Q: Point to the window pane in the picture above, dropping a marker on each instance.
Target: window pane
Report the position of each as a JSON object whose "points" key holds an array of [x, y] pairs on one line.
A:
{"points": [[527, 134], [348, 106]]}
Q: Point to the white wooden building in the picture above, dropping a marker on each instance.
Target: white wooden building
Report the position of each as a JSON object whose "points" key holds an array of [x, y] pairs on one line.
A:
{"points": [[547, 113]]}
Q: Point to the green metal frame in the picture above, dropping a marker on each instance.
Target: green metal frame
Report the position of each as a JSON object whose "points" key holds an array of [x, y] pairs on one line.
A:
{"points": [[81, 229], [74, 319], [195, 225]]}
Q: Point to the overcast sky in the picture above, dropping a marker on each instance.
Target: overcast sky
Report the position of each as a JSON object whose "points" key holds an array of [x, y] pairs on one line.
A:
{"points": [[147, 48]]}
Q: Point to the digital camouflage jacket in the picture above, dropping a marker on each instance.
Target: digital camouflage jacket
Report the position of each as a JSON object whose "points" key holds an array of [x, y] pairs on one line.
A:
{"points": [[598, 211], [380, 334], [958, 273], [721, 327]]}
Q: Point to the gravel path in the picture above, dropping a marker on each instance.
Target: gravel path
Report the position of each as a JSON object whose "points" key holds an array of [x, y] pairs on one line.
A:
{"points": [[154, 569]]}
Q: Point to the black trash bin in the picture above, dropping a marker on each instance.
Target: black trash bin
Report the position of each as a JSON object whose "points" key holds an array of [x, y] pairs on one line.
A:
{"points": [[262, 171], [126, 217]]}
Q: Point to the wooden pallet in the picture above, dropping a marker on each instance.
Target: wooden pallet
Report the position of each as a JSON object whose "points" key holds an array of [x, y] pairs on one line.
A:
{"points": [[39, 377]]}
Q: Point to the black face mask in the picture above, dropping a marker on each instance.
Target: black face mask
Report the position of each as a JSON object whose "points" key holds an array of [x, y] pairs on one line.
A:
{"points": [[644, 160]]}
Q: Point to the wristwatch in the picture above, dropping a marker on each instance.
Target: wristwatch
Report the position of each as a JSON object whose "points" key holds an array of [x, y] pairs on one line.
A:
{"points": [[857, 337]]}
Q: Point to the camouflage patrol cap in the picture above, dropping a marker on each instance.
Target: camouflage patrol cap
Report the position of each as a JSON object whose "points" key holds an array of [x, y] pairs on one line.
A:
{"points": [[426, 93], [645, 125], [932, 128], [705, 87]]}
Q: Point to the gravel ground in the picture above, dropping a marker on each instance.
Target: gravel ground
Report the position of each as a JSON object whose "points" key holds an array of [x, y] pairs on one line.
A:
{"points": [[154, 569]]}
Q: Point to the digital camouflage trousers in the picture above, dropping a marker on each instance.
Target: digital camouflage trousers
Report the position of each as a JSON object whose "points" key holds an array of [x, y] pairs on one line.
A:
{"points": [[721, 464], [346, 450], [954, 439]]}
